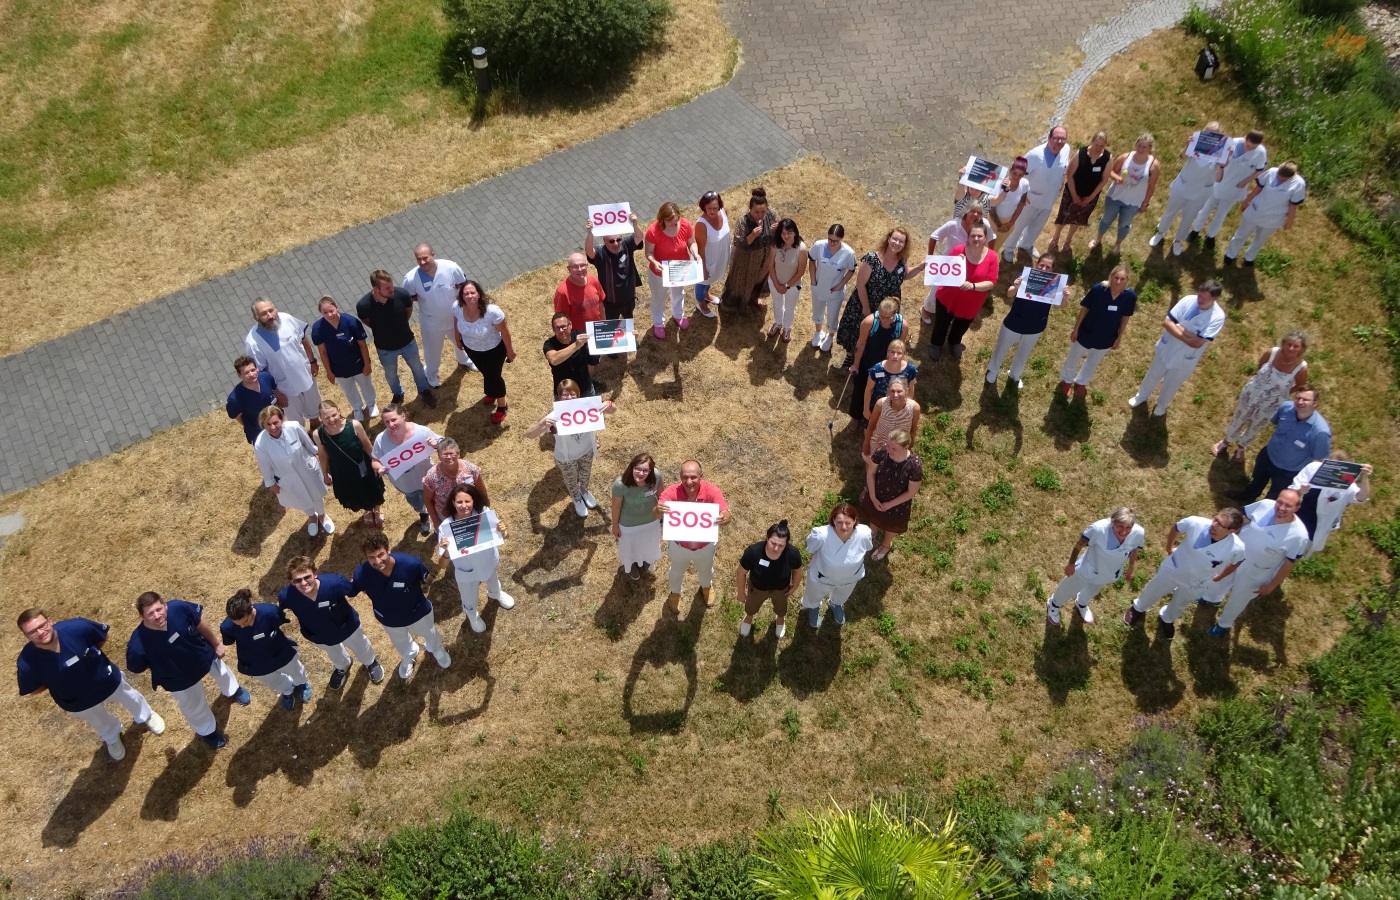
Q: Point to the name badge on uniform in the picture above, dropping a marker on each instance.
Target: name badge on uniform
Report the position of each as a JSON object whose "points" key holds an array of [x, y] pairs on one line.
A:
{"points": [[1113, 309], [175, 636], [763, 562], [650, 493], [398, 585], [1300, 444], [260, 635], [71, 661], [323, 604]]}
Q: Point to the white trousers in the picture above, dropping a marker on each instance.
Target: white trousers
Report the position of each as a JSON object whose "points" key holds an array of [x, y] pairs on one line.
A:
{"points": [[1076, 587], [359, 393], [1242, 587], [469, 586], [1212, 206], [817, 588], [108, 726], [356, 643], [1182, 204], [285, 679], [1168, 581], [1248, 228], [1170, 374], [784, 305], [1024, 344], [1081, 363], [194, 705], [681, 558], [402, 639], [658, 300], [1028, 227], [826, 308], [435, 334]]}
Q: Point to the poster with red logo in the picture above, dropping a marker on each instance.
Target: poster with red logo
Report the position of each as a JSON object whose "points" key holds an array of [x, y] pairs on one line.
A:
{"points": [[611, 336]]}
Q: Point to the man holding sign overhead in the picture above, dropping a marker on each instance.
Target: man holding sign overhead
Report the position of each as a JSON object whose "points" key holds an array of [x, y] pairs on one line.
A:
{"points": [[617, 269], [675, 508]]}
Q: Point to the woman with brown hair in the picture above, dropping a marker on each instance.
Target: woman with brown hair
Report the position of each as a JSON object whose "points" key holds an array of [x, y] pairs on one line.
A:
{"points": [[749, 257], [343, 449], [893, 476], [669, 239], [882, 273], [634, 521], [483, 335], [836, 563]]}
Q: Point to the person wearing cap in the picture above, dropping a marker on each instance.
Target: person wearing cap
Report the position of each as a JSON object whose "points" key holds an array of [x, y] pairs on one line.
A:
{"points": [[1271, 204], [394, 583], [1201, 552], [1046, 168], [1274, 540], [180, 649], [1248, 158], [1187, 330], [1301, 435], [327, 618], [65, 659], [692, 488], [265, 654], [1110, 547], [1190, 190], [616, 265]]}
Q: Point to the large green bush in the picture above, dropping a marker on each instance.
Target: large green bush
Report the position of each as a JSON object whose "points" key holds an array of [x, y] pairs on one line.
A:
{"points": [[548, 47]]}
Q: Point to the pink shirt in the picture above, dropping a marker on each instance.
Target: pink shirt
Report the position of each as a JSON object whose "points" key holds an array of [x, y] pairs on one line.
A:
{"points": [[706, 493]]}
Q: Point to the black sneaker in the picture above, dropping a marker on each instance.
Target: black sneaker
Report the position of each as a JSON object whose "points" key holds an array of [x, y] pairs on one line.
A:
{"points": [[397, 398], [215, 740], [426, 395], [1228, 260], [1166, 629], [1249, 264], [1191, 238], [1132, 617], [425, 527], [376, 672], [1210, 244], [338, 679], [634, 572]]}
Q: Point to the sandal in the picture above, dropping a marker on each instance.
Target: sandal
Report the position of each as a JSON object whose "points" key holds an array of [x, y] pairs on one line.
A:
{"points": [[1219, 448], [787, 336], [774, 329], [879, 553]]}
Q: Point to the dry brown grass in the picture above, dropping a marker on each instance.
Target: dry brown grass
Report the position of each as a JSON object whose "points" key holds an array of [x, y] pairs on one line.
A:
{"points": [[127, 245], [582, 708]]}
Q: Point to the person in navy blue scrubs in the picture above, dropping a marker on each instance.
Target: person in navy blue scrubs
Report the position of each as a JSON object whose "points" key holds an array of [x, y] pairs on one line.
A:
{"points": [[394, 583], [264, 652], [322, 607]]}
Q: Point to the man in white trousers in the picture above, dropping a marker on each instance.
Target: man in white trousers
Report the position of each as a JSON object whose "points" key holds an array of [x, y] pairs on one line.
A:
{"points": [[264, 652], [180, 649], [1191, 188], [1110, 547], [1248, 158], [278, 343], [1186, 331], [1201, 552], [1272, 204], [1046, 167], [1274, 540], [327, 619], [433, 285], [66, 660], [692, 488], [394, 584]]}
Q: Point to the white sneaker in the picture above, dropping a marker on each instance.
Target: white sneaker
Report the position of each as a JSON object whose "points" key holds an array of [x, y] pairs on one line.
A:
{"points": [[1155, 240], [1008, 254], [991, 377], [581, 509], [745, 629], [1178, 248], [1085, 613], [1134, 402], [407, 664], [475, 621], [1035, 253], [589, 500], [374, 411], [506, 601], [1020, 385], [1052, 613], [826, 342], [156, 723], [471, 367], [312, 528], [780, 630], [116, 749], [817, 340], [328, 525], [443, 658]]}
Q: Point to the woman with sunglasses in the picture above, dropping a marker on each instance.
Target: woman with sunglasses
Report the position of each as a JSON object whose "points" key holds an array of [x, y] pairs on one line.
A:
{"points": [[712, 240]]}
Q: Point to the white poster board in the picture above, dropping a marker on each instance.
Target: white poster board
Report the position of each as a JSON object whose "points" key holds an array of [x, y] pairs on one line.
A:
{"points": [[697, 522], [1042, 286], [401, 459], [609, 219], [607, 336], [471, 535], [983, 175], [681, 272], [945, 271], [578, 415]]}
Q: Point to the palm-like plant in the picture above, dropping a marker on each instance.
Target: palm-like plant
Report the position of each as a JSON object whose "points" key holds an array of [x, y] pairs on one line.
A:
{"points": [[873, 854]]}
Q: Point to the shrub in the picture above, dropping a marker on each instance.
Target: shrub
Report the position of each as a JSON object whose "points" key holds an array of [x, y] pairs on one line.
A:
{"points": [[1329, 9], [716, 871], [276, 870], [547, 47]]}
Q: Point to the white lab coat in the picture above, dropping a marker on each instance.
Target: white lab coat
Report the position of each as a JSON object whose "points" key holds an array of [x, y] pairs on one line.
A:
{"points": [[290, 463]]}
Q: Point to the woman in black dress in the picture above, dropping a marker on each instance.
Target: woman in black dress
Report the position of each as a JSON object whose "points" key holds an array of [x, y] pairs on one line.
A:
{"points": [[344, 450], [1085, 180]]}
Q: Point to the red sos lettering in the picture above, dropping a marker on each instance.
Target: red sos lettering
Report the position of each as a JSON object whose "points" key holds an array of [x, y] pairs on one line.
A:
{"points": [[580, 416], [947, 268], [690, 519], [611, 217], [404, 455]]}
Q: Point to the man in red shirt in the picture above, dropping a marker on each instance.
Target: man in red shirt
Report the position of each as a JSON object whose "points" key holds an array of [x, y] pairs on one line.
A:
{"points": [[580, 295], [691, 489]]}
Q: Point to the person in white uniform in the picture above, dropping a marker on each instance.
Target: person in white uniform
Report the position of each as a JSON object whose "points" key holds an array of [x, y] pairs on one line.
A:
{"points": [[1186, 331], [433, 284], [1322, 507], [1248, 157], [1200, 552], [1190, 189], [1110, 551], [291, 469], [278, 343], [1046, 167], [831, 266], [1274, 540], [1272, 204], [836, 563], [479, 567]]}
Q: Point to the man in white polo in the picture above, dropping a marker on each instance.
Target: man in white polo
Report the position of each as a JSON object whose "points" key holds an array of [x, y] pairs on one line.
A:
{"points": [[1046, 167], [279, 345], [1201, 553], [1110, 547], [1272, 204], [1186, 331], [1248, 158], [433, 284], [1274, 540]]}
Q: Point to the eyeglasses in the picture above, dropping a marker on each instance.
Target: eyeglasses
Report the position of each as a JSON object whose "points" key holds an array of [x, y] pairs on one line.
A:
{"points": [[299, 579], [30, 632]]}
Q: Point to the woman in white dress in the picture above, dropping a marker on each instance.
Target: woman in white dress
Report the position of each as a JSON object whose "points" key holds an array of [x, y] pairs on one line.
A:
{"points": [[712, 242], [474, 569], [836, 564], [1282, 371], [290, 469]]}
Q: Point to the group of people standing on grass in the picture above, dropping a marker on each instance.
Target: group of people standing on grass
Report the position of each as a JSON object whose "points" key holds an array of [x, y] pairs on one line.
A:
{"points": [[306, 446]]}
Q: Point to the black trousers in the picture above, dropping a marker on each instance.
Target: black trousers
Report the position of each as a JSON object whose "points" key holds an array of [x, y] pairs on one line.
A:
{"points": [[1266, 473], [947, 328], [491, 362]]}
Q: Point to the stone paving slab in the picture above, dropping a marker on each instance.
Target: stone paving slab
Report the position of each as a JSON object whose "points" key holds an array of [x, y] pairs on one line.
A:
{"points": [[106, 386]]}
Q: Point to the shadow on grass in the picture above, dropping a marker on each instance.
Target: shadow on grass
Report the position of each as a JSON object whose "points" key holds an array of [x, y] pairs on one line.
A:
{"points": [[184, 768], [1067, 422], [1226, 475], [1207, 658], [811, 659], [1147, 670], [92, 793], [997, 413], [264, 515], [1062, 661], [753, 663], [671, 642], [624, 602], [545, 573], [1145, 438]]}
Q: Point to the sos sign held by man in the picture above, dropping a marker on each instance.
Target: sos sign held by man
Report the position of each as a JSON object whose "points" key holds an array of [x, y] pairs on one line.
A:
{"points": [[690, 522]]}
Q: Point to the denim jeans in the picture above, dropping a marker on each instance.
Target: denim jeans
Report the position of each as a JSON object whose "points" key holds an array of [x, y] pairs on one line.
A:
{"points": [[389, 359], [415, 500], [1123, 212]]}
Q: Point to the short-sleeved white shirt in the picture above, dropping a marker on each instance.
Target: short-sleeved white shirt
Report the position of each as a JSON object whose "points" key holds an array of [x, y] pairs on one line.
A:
{"points": [[1270, 207], [436, 298], [1204, 323], [831, 269], [1105, 557], [481, 565], [834, 562], [1268, 543], [1011, 199], [1045, 178], [1197, 175], [1244, 163], [1331, 503], [1196, 564], [412, 480], [481, 335], [287, 364], [952, 233]]}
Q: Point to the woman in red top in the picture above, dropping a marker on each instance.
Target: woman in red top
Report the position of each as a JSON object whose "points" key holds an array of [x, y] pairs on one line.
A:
{"points": [[669, 238], [958, 306]]}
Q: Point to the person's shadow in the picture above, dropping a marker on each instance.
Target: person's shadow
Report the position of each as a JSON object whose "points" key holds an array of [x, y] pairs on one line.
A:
{"points": [[671, 642], [184, 769], [471, 662], [1067, 421], [998, 413], [1145, 438], [265, 752], [1266, 620], [810, 371], [1147, 669], [623, 603], [1225, 475], [92, 793], [810, 659], [753, 663], [1207, 658], [1062, 661], [545, 573], [264, 515]]}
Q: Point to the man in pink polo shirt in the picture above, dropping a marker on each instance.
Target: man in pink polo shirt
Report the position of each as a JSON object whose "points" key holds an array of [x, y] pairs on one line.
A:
{"points": [[691, 489]]}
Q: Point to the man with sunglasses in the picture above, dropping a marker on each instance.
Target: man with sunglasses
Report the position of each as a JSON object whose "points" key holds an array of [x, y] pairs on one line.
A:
{"points": [[1202, 554], [617, 270]]}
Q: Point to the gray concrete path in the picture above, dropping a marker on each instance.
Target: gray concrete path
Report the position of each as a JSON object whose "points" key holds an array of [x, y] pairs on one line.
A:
{"points": [[113, 383]]}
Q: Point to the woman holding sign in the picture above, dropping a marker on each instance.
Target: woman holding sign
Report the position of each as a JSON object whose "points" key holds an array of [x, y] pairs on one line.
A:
{"points": [[893, 476], [574, 451], [956, 307], [472, 547], [1025, 322], [290, 469], [1322, 507], [881, 274], [669, 239], [483, 335], [634, 521], [749, 256]]}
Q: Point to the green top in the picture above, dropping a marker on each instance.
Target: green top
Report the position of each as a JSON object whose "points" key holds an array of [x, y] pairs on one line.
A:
{"points": [[638, 503]]}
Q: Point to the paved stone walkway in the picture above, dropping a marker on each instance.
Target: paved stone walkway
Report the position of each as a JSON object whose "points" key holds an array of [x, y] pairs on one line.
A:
{"points": [[113, 383]]}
